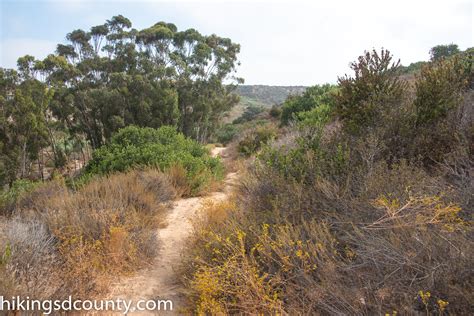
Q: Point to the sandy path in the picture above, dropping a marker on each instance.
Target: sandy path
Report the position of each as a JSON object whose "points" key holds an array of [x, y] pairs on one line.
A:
{"points": [[159, 281]]}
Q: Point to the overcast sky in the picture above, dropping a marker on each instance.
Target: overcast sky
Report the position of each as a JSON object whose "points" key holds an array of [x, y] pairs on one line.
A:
{"points": [[282, 42]]}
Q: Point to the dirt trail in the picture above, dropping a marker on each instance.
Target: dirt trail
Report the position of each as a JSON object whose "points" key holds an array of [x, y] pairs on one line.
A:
{"points": [[159, 281]]}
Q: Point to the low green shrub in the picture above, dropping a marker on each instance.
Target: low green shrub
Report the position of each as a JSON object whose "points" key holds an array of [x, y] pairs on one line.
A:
{"points": [[313, 97], [439, 89], [10, 196], [226, 133], [275, 111], [163, 148], [250, 113], [317, 116]]}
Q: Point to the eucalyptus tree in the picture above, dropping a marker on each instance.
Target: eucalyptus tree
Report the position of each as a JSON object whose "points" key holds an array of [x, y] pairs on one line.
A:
{"points": [[118, 76], [109, 77], [24, 117]]}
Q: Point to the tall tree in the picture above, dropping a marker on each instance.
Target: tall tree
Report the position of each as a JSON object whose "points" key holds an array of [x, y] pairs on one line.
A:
{"points": [[443, 51], [117, 76]]}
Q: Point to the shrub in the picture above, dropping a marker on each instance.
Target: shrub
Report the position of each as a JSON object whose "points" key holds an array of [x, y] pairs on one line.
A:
{"points": [[226, 133], [428, 125], [9, 197], [320, 247], [413, 68], [439, 89], [250, 113], [313, 97], [333, 220], [162, 148], [81, 240], [255, 139], [374, 88], [275, 111], [32, 258], [440, 113], [443, 51], [318, 116]]}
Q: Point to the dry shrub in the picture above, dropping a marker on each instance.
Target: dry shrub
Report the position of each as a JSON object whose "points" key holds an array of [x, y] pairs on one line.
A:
{"points": [[159, 184], [213, 213], [397, 242], [371, 218], [105, 229], [254, 139], [178, 178], [31, 259], [40, 196]]}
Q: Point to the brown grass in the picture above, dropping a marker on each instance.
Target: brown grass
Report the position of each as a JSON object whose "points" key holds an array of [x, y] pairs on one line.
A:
{"points": [[374, 238], [287, 255], [78, 241]]}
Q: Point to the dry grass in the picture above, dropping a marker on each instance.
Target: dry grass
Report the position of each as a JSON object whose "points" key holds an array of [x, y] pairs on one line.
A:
{"points": [[76, 242], [381, 239]]}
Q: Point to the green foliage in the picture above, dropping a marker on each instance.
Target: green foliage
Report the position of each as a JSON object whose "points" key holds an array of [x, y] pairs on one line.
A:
{"points": [[312, 98], [115, 76], [439, 89], [163, 148], [253, 141], [275, 111], [374, 89], [6, 255], [25, 128], [268, 95], [318, 116], [413, 68], [10, 196], [309, 158], [108, 78], [442, 110], [249, 114], [226, 133], [443, 51]]}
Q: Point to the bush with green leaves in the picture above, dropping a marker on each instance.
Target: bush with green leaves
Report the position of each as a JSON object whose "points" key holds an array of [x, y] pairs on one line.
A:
{"points": [[313, 97], [253, 141], [317, 116], [443, 120], [439, 89], [10, 196], [163, 148], [275, 111], [249, 114], [375, 88], [226, 133], [443, 51]]}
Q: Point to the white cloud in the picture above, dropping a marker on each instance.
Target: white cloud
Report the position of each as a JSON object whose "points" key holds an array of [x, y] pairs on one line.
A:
{"points": [[11, 49]]}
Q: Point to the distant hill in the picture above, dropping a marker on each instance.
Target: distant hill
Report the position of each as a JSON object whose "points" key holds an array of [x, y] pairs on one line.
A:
{"points": [[268, 95], [261, 96]]}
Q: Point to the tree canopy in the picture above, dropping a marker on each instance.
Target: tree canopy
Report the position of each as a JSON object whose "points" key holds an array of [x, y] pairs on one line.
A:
{"points": [[112, 76], [443, 51]]}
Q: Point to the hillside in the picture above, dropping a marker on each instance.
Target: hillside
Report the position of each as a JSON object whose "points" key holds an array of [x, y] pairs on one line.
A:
{"points": [[268, 95], [261, 96]]}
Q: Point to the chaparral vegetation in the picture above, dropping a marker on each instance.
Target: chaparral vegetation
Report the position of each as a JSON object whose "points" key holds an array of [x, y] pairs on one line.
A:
{"points": [[353, 198]]}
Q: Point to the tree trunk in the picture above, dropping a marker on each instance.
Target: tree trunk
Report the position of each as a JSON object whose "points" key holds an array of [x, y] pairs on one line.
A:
{"points": [[23, 162]]}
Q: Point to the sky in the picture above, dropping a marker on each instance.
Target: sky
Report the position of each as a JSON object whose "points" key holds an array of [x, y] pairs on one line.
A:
{"points": [[283, 42]]}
